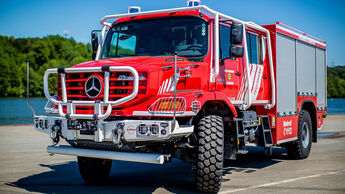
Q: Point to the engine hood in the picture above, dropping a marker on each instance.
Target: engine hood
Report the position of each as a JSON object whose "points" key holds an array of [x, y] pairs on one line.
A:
{"points": [[143, 63], [160, 72]]}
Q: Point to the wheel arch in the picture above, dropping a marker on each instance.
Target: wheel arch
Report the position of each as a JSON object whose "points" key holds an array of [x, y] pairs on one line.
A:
{"points": [[309, 106], [217, 107]]}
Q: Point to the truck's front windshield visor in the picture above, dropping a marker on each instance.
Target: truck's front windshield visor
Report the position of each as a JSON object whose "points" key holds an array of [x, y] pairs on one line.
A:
{"points": [[187, 36]]}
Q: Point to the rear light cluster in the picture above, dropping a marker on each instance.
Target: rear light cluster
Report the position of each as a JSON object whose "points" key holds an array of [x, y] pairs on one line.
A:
{"points": [[120, 85]]}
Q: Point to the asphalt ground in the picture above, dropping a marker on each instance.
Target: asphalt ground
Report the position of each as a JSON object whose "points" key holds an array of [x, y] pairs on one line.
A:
{"points": [[25, 166]]}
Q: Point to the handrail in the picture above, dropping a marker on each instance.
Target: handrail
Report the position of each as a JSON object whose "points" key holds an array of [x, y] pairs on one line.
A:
{"points": [[99, 48], [97, 104], [270, 58], [244, 106]]}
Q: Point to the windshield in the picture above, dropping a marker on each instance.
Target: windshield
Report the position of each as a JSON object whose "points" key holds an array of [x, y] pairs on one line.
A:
{"points": [[187, 36]]}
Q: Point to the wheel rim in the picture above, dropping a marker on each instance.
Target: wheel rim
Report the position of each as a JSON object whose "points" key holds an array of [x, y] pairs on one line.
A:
{"points": [[305, 134]]}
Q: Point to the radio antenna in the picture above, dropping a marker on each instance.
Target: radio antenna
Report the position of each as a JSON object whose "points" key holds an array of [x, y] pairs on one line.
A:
{"points": [[28, 86]]}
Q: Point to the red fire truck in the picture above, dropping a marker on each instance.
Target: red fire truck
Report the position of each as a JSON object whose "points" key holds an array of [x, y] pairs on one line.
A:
{"points": [[188, 83]]}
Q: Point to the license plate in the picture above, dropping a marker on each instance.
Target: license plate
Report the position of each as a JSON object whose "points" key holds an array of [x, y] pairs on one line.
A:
{"points": [[83, 125]]}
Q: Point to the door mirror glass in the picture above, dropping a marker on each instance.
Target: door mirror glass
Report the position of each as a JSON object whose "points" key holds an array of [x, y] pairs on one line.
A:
{"points": [[236, 51], [95, 37], [236, 33]]}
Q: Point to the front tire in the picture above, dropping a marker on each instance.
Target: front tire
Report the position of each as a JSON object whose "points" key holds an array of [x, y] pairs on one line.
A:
{"points": [[300, 149], [209, 170], [94, 170]]}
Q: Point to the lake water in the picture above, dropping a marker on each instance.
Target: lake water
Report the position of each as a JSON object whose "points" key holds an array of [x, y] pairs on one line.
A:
{"points": [[15, 110]]}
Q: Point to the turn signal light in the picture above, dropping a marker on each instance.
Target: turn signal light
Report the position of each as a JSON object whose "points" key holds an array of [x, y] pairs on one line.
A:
{"points": [[169, 105]]}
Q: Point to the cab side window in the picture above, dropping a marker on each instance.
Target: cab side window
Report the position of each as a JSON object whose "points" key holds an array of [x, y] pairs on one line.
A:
{"points": [[254, 49], [224, 42]]}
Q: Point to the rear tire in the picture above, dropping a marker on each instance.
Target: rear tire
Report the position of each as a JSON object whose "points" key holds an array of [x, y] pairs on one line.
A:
{"points": [[300, 149], [210, 154], [94, 170]]}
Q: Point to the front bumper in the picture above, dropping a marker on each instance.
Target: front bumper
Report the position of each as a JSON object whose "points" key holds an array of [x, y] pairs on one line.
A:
{"points": [[119, 131], [111, 155]]}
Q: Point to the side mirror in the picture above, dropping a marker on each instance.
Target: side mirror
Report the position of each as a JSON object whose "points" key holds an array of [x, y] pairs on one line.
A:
{"points": [[236, 33], [95, 42], [236, 51]]}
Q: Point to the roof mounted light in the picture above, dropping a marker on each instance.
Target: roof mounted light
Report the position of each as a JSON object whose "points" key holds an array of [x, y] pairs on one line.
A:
{"points": [[193, 3], [134, 9]]}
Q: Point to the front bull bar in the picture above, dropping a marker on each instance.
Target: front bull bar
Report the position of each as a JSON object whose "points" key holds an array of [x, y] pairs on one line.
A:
{"points": [[98, 105]]}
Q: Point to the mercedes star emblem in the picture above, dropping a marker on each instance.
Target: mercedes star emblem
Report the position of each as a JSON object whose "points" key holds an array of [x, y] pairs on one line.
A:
{"points": [[93, 86]]}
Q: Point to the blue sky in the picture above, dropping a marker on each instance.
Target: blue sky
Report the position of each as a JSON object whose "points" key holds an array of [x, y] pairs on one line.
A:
{"points": [[38, 18]]}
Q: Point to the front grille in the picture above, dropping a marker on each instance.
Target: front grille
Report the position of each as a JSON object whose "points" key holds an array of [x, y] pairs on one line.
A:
{"points": [[120, 85]]}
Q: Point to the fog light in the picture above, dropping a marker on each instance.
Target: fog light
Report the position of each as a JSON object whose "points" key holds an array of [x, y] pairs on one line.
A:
{"points": [[143, 129], [154, 129]]}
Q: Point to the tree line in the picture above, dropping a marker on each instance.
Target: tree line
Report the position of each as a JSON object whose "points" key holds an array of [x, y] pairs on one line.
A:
{"points": [[43, 53], [336, 82], [56, 51]]}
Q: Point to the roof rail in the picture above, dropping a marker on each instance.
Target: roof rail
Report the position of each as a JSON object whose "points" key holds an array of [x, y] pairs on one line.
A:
{"points": [[299, 31]]}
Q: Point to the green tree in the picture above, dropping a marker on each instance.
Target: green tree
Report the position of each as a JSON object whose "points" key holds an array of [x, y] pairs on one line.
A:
{"points": [[44, 53]]}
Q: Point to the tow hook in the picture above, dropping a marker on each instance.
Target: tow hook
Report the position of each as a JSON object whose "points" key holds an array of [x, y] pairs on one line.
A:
{"points": [[117, 134], [55, 132]]}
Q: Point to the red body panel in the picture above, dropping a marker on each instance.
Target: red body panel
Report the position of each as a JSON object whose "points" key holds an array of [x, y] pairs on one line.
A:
{"points": [[287, 128]]}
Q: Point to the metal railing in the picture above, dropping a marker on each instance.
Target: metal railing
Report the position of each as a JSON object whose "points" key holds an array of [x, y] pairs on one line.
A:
{"points": [[98, 105]]}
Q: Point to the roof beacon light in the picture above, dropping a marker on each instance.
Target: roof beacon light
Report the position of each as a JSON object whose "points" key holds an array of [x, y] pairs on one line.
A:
{"points": [[134, 9], [193, 3]]}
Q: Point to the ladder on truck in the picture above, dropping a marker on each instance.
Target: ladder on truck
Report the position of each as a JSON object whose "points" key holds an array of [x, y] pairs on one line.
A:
{"points": [[263, 134]]}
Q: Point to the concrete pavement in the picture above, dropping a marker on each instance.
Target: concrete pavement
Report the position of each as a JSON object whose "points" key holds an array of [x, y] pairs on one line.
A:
{"points": [[26, 167]]}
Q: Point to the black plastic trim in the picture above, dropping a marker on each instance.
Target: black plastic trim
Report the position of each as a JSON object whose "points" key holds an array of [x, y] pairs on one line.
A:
{"points": [[61, 70], [106, 68]]}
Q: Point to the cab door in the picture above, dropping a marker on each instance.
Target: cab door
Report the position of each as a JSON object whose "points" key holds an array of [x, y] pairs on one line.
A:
{"points": [[230, 76], [258, 67]]}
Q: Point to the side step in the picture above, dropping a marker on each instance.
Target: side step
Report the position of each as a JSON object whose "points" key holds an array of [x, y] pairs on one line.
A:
{"points": [[111, 155], [265, 131]]}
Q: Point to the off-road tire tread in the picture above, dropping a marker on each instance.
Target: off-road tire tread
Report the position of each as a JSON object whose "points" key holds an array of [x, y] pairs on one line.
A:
{"points": [[295, 149], [94, 170], [209, 169]]}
